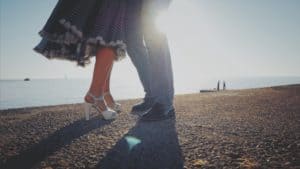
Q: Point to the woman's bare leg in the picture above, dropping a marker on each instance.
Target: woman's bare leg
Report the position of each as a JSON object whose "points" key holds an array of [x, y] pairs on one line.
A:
{"points": [[108, 97], [104, 61], [107, 81]]}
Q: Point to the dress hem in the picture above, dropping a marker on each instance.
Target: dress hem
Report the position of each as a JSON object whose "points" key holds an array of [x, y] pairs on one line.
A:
{"points": [[74, 36]]}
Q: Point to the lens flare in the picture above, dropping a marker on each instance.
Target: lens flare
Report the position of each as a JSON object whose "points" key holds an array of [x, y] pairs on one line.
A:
{"points": [[132, 142]]}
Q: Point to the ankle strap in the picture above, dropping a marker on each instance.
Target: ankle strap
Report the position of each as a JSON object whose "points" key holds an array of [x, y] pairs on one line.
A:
{"points": [[96, 98]]}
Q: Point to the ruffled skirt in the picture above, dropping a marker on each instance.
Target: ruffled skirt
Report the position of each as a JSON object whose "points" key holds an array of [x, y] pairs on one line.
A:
{"points": [[76, 29]]}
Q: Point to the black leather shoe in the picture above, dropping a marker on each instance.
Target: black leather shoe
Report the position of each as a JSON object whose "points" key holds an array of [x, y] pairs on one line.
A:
{"points": [[143, 106], [158, 112]]}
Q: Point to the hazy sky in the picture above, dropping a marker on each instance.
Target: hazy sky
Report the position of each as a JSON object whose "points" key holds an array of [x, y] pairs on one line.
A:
{"points": [[208, 38]]}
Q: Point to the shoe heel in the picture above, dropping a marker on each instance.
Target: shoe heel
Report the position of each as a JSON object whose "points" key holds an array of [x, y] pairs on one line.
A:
{"points": [[87, 110], [109, 114]]}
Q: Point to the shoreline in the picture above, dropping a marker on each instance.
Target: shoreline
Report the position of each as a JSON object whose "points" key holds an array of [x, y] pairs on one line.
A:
{"points": [[201, 91]]}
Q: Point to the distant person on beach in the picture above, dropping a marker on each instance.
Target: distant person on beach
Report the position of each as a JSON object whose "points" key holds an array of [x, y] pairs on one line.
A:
{"points": [[218, 85], [77, 30], [224, 85]]}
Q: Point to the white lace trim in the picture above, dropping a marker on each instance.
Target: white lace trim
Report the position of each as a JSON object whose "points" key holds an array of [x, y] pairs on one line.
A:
{"points": [[92, 42], [71, 27], [74, 36]]}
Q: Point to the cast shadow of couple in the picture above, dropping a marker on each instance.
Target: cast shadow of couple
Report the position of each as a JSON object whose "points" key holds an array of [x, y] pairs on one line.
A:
{"points": [[148, 145]]}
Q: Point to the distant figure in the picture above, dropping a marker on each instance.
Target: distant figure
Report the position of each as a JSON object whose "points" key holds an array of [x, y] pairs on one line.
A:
{"points": [[224, 85], [218, 85]]}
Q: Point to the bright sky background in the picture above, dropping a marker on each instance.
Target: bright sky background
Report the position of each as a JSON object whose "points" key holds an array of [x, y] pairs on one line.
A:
{"points": [[208, 38]]}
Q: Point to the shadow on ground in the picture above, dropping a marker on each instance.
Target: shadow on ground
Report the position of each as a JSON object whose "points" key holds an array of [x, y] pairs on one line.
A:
{"points": [[46, 147], [146, 146]]}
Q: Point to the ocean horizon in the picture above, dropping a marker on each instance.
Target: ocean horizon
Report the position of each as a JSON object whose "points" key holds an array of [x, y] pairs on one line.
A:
{"points": [[17, 93]]}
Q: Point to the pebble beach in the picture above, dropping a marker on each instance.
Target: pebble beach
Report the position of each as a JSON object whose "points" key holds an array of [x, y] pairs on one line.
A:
{"points": [[252, 128]]}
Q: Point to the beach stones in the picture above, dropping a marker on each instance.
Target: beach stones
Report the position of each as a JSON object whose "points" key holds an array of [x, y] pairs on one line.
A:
{"points": [[257, 128]]}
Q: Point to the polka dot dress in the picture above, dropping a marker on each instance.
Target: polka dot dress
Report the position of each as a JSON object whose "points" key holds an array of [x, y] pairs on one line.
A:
{"points": [[76, 29]]}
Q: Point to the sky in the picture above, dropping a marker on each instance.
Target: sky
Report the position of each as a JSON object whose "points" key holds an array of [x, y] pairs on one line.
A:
{"points": [[208, 38]]}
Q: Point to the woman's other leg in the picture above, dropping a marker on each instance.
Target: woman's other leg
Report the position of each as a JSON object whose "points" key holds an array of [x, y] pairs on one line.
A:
{"points": [[104, 60]]}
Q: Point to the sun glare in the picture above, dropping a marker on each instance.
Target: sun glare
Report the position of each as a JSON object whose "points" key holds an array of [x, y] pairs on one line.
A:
{"points": [[178, 18], [162, 21], [183, 25]]}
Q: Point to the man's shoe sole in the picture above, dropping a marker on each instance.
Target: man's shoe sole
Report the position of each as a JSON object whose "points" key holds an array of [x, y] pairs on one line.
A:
{"points": [[136, 112], [171, 114]]}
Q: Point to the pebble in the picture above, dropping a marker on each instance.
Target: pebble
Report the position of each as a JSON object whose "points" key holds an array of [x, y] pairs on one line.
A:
{"points": [[199, 162]]}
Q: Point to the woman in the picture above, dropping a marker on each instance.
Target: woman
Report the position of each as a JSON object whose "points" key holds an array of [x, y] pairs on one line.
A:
{"points": [[80, 29]]}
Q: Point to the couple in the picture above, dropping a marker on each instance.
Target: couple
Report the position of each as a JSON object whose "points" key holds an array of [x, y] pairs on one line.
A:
{"points": [[108, 29]]}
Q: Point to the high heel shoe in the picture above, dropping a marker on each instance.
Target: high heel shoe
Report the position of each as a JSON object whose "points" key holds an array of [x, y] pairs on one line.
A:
{"points": [[115, 106], [107, 114]]}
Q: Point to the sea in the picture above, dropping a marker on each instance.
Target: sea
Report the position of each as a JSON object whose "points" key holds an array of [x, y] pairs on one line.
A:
{"points": [[45, 92]]}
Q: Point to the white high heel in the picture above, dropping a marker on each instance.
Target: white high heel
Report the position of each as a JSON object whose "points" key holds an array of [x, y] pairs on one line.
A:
{"points": [[107, 114], [116, 106]]}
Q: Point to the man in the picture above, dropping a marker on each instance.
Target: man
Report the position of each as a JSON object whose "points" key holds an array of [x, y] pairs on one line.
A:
{"points": [[149, 51]]}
